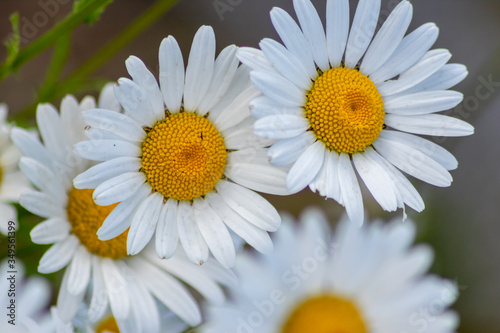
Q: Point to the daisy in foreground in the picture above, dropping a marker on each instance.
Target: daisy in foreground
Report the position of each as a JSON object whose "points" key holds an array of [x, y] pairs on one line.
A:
{"points": [[367, 280], [340, 101], [127, 287], [183, 157], [12, 181]]}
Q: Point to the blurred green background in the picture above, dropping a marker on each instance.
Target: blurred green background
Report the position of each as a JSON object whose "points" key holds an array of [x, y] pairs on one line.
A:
{"points": [[462, 223]]}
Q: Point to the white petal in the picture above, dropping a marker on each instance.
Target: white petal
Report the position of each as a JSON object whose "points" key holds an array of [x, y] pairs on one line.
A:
{"points": [[67, 303], [423, 102], [413, 162], [281, 127], [135, 102], [41, 204], [337, 29], [278, 88], [363, 27], [225, 68], [144, 223], [215, 233], [237, 111], [51, 130], [305, 169], [445, 78], [429, 148], [42, 177], [263, 106], [169, 291], [313, 31], [244, 138], [115, 122], [119, 219], [351, 193], [294, 39], [377, 181], [428, 65], [191, 239], [256, 237], [286, 63], [118, 188], [200, 68], [30, 146], [104, 171], [171, 73], [167, 236], [249, 205], [143, 307], [258, 177], [429, 124], [411, 49], [255, 59], [58, 255], [99, 301], [326, 182], [79, 271], [388, 38], [107, 99], [50, 231], [287, 151], [103, 150], [408, 193], [71, 118], [116, 287]]}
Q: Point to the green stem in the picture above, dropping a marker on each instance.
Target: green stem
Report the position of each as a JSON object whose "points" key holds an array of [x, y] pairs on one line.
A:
{"points": [[49, 38], [79, 76]]}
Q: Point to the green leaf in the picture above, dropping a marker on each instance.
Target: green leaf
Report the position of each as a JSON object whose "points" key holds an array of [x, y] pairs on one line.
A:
{"points": [[13, 39], [79, 4]]}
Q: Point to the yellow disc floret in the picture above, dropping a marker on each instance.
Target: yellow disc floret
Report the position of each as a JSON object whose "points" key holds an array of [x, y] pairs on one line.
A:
{"points": [[345, 110], [183, 156], [108, 325], [325, 314], [86, 218]]}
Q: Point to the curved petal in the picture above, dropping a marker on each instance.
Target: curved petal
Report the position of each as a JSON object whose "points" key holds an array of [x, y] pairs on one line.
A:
{"points": [[337, 30], [429, 124], [305, 169], [118, 188], [171, 74], [281, 127], [94, 176], [351, 193], [287, 151], [191, 239], [423, 102], [278, 88], [167, 236]]}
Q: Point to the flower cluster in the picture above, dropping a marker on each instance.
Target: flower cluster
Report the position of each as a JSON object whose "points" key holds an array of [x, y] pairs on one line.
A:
{"points": [[148, 193]]}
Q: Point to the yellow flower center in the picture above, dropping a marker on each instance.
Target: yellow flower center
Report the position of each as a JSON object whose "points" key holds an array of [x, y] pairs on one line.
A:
{"points": [[325, 314], [108, 325], [86, 218], [345, 110], [183, 156]]}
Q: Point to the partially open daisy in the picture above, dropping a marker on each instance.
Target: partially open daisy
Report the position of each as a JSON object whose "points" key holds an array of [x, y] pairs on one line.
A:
{"points": [[12, 181], [340, 102], [183, 157], [364, 280], [128, 286]]}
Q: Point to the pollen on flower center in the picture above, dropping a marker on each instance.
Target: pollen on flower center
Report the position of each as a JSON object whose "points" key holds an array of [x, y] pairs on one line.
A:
{"points": [[86, 218], [108, 325], [325, 314], [183, 156], [345, 110]]}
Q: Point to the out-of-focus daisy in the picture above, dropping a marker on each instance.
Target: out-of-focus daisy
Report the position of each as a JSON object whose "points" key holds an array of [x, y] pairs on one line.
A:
{"points": [[183, 159], [342, 101], [12, 181], [367, 280], [24, 300], [129, 285]]}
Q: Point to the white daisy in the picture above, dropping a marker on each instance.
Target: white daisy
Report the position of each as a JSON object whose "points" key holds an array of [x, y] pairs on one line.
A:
{"points": [[367, 279], [129, 285], [333, 112], [183, 158], [24, 301], [12, 181]]}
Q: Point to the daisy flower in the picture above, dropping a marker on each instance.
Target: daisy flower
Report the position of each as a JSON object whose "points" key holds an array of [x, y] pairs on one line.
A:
{"points": [[341, 102], [12, 181], [128, 286], [29, 313], [364, 280], [183, 159]]}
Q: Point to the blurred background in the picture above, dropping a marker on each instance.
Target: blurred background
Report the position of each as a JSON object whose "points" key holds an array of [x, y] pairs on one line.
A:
{"points": [[462, 223]]}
